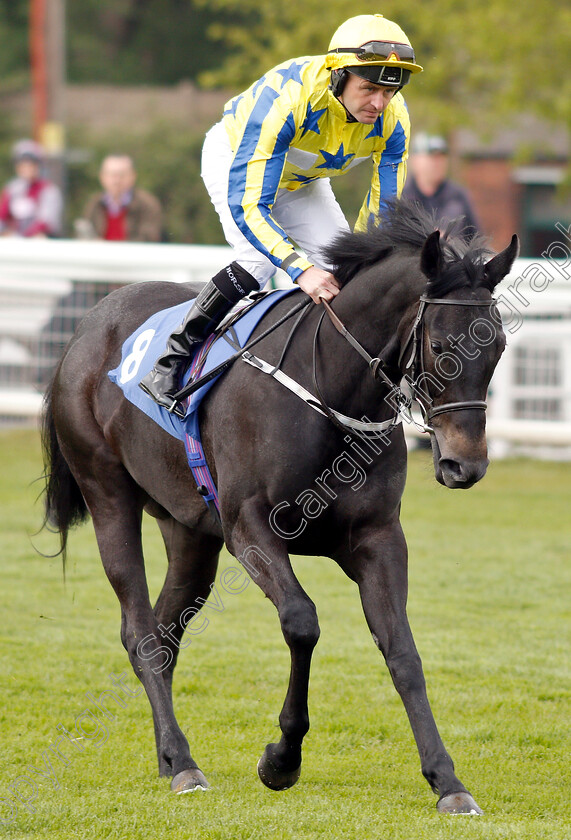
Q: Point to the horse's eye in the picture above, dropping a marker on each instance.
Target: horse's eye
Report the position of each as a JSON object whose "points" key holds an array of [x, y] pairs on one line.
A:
{"points": [[436, 347]]}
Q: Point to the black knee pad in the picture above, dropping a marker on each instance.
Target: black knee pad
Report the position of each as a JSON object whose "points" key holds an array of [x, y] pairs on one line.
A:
{"points": [[234, 282]]}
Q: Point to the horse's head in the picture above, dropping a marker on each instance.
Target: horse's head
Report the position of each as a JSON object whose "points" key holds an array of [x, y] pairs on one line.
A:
{"points": [[448, 344], [451, 352]]}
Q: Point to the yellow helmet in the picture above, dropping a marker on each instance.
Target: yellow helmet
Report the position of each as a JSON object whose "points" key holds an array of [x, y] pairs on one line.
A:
{"points": [[368, 41]]}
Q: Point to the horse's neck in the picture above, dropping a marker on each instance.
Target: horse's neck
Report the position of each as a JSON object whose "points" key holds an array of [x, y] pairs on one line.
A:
{"points": [[371, 306], [377, 299]]}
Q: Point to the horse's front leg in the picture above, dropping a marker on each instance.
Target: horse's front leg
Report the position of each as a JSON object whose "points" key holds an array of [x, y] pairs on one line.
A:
{"points": [[280, 765], [379, 566], [267, 560]]}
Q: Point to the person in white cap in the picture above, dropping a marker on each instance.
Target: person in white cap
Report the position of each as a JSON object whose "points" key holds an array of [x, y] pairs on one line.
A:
{"points": [[428, 185], [30, 204]]}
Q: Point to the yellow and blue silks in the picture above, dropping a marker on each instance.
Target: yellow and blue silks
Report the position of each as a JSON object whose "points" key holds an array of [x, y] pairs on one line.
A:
{"points": [[286, 131]]}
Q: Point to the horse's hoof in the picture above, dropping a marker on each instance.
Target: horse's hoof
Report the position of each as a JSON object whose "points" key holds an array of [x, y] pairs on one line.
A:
{"points": [[276, 779], [189, 780], [458, 803]]}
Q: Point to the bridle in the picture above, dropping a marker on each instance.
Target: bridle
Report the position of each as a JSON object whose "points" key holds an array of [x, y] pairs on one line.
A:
{"points": [[415, 363]]}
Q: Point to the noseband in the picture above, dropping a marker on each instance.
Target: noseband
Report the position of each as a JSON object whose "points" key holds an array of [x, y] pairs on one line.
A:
{"points": [[417, 366], [414, 340]]}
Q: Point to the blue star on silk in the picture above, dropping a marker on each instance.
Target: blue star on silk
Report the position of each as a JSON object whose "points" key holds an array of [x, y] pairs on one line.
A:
{"points": [[292, 73], [304, 179], [336, 161], [312, 119], [377, 130], [258, 84], [233, 106]]}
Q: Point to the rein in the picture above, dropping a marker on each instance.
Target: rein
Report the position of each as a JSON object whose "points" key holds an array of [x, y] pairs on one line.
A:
{"points": [[342, 421], [375, 366]]}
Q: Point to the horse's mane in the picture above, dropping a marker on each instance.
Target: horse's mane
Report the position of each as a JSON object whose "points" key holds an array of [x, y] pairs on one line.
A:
{"points": [[403, 227]]}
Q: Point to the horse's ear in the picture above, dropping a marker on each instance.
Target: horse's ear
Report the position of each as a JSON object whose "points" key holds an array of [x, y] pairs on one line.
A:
{"points": [[500, 265], [431, 256]]}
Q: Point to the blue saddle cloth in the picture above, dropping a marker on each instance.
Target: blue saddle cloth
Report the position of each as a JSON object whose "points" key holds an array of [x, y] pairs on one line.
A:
{"points": [[143, 347]]}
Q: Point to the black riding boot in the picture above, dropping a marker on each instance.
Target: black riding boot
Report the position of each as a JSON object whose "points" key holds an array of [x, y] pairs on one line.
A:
{"points": [[214, 301]]}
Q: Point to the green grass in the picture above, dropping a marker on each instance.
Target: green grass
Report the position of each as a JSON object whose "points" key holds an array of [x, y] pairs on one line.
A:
{"points": [[489, 605]]}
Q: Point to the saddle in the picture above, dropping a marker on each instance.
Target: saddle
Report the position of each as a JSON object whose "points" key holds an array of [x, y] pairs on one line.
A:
{"points": [[141, 349]]}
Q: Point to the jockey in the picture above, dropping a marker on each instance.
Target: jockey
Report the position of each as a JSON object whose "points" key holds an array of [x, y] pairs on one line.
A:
{"points": [[267, 167]]}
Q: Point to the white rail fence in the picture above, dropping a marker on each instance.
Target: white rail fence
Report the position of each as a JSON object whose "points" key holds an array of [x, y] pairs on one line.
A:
{"points": [[46, 286]]}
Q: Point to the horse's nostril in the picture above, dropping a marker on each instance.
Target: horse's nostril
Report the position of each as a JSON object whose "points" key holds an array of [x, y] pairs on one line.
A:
{"points": [[452, 468], [462, 473]]}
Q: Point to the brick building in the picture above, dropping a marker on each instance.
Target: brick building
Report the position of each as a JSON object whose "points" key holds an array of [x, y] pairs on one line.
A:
{"points": [[517, 181]]}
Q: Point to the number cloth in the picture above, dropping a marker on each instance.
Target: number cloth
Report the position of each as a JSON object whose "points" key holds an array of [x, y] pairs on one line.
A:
{"points": [[139, 353]]}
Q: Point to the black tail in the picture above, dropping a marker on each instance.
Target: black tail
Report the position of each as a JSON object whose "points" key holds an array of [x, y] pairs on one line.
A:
{"points": [[64, 504]]}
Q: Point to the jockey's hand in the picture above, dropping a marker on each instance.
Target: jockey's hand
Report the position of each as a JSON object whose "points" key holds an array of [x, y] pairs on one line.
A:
{"points": [[318, 284]]}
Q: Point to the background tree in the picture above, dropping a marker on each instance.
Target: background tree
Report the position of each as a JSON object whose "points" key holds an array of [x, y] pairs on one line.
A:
{"points": [[14, 55], [140, 41], [120, 41], [484, 59]]}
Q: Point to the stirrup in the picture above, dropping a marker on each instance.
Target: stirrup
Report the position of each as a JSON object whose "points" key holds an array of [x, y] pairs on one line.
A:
{"points": [[173, 407], [177, 409]]}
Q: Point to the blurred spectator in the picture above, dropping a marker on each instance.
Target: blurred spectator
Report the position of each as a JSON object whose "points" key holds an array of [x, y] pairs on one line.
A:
{"points": [[30, 205], [429, 185], [122, 212]]}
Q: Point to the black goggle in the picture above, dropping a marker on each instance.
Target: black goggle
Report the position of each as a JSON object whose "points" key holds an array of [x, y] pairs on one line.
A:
{"points": [[380, 51]]}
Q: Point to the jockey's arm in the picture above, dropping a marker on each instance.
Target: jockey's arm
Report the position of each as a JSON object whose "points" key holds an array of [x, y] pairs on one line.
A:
{"points": [[389, 164]]}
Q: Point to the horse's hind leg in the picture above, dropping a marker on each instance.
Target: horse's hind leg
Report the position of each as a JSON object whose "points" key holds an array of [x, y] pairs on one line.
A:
{"points": [[265, 556], [115, 503], [380, 569], [193, 560]]}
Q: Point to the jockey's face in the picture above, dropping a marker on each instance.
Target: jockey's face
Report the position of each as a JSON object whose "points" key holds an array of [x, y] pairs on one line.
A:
{"points": [[365, 100]]}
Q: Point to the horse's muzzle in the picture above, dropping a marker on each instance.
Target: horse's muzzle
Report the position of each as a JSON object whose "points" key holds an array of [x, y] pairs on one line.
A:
{"points": [[460, 475], [458, 467]]}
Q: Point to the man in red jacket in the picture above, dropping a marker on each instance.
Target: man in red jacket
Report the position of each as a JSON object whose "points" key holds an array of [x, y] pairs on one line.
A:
{"points": [[122, 212]]}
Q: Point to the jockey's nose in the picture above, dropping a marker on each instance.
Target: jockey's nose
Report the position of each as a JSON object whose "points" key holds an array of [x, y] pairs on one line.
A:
{"points": [[381, 98]]}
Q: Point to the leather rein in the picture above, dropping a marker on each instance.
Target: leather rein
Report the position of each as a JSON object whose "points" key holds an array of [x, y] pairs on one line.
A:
{"points": [[414, 340]]}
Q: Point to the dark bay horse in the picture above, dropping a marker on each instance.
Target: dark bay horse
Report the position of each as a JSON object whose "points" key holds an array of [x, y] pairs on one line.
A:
{"points": [[420, 301]]}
